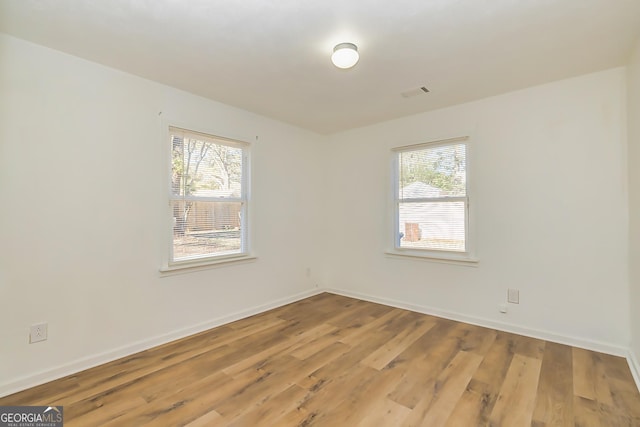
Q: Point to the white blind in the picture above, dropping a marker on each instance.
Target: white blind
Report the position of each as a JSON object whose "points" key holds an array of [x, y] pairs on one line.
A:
{"points": [[432, 201], [207, 195]]}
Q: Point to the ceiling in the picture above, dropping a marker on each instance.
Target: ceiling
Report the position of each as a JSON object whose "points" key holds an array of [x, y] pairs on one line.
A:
{"points": [[272, 57]]}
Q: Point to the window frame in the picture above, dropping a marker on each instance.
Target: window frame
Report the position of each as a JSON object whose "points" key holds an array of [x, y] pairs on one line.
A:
{"points": [[466, 257], [202, 262]]}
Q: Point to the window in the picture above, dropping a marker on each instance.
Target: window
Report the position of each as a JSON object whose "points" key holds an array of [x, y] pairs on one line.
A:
{"points": [[208, 197], [431, 200]]}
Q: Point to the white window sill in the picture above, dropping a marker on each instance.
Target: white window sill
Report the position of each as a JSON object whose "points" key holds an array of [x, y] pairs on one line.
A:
{"points": [[191, 266], [445, 258]]}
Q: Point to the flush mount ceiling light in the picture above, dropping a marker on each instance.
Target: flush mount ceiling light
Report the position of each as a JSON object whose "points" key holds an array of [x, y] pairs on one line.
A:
{"points": [[345, 55]]}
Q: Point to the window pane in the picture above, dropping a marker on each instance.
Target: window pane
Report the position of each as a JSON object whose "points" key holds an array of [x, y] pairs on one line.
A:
{"points": [[432, 225], [438, 171], [177, 165], [202, 229], [202, 167]]}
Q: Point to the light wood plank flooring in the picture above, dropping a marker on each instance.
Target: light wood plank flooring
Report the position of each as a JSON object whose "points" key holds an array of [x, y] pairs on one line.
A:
{"points": [[336, 361]]}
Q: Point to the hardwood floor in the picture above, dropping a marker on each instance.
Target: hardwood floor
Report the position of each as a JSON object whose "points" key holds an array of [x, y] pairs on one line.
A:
{"points": [[336, 361]]}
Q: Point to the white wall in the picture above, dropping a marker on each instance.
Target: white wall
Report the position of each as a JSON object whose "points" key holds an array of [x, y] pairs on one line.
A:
{"points": [[633, 115], [82, 191], [549, 190]]}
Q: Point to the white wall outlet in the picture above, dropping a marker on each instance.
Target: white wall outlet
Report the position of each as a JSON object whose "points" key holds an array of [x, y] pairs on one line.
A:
{"points": [[38, 333], [308, 271], [502, 308], [513, 296]]}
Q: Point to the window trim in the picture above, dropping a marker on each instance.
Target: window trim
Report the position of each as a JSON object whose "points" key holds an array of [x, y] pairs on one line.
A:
{"points": [[171, 267], [187, 267], [467, 257]]}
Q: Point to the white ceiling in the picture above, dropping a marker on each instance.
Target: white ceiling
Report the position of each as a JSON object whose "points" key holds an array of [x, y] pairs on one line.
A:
{"points": [[272, 57]]}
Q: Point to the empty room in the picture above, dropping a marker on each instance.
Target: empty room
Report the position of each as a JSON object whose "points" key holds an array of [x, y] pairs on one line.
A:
{"points": [[336, 213]]}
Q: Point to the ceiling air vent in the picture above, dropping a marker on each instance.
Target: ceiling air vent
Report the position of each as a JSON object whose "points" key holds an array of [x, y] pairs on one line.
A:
{"points": [[414, 92]]}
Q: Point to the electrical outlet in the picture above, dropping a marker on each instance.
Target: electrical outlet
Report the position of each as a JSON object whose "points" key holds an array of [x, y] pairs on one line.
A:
{"points": [[513, 296], [308, 272], [38, 333], [502, 308]]}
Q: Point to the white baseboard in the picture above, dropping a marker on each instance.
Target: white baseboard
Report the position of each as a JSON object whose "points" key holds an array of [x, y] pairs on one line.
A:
{"points": [[97, 359], [492, 324], [632, 359], [81, 364]]}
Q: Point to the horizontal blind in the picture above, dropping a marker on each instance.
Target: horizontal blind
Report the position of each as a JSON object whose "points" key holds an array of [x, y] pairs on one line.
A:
{"points": [[208, 195], [432, 197]]}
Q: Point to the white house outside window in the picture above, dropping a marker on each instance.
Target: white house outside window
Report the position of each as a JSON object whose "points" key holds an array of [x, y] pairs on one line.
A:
{"points": [[208, 197], [431, 209]]}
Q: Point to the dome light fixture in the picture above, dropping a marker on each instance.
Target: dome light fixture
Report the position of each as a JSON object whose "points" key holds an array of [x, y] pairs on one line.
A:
{"points": [[345, 55]]}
